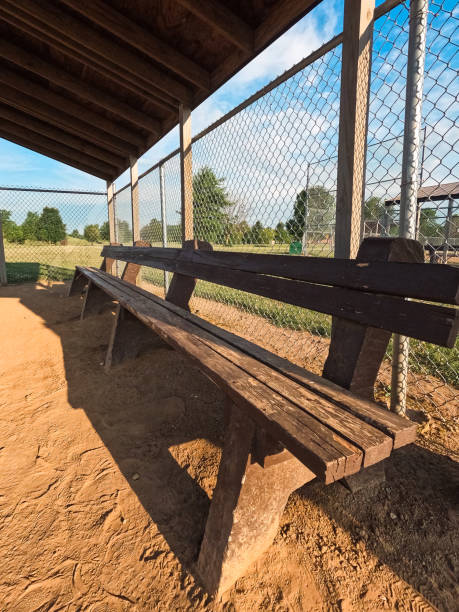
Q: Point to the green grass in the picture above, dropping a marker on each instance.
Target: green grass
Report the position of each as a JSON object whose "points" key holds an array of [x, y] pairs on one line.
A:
{"points": [[29, 262]]}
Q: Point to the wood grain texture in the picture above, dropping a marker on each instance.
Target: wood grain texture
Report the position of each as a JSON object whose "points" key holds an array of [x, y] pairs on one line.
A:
{"points": [[186, 173], [353, 120], [330, 456], [401, 430], [413, 280]]}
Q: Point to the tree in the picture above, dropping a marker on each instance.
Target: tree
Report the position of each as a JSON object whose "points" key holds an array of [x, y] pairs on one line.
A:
{"points": [[374, 209], [30, 226], [259, 234], [281, 235], [428, 225], [104, 231], [317, 207], [51, 228], [12, 232], [124, 232], [92, 233], [76, 234], [152, 232], [210, 207]]}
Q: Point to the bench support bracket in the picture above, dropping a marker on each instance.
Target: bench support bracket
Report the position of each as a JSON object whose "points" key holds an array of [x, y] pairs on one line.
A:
{"points": [[79, 283], [247, 506], [95, 300], [128, 338]]}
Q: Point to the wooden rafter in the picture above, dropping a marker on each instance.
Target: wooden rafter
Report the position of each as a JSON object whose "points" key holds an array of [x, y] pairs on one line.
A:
{"points": [[43, 150], [143, 40], [13, 129], [58, 76], [35, 126], [69, 29], [223, 20], [50, 103], [45, 33]]}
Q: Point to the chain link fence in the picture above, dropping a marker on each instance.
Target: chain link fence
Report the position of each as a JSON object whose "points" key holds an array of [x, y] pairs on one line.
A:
{"points": [[47, 231], [264, 181]]}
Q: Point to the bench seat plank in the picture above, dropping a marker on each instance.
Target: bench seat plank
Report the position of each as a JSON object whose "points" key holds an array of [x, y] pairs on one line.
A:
{"points": [[401, 430], [303, 404], [327, 454], [375, 444]]}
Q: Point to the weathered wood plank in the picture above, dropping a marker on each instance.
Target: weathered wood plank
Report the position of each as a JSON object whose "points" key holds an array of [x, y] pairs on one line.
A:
{"points": [[186, 173], [413, 280], [426, 322], [327, 454], [401, 430]]}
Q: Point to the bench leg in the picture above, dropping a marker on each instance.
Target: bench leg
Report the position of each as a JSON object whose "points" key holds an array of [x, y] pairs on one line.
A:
{"points": [[128, 338], [247, 506], [95, 300], [78, 285]]}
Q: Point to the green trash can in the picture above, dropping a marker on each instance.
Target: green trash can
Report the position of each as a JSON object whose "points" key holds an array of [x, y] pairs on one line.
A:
{"points": [[296, 248]]}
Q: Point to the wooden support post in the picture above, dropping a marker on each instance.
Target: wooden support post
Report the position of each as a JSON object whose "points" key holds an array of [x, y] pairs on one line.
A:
{"points": [[186, 173], [111, 220], [135, 199], [162, 196], [3, 276], [356, 351], [131, 270], [182, 286], [95, 300], [353, 123], [129, 337], [247, 506]]}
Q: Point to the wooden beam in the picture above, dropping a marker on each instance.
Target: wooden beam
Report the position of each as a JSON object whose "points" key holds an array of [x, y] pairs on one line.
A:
{"points": [[111, 210], [60, 104], [26, 134], [46, 34], [72, 83], [223, 20], [39, 127], [3, 276], [70, 30], [134, 173], [353, 122], [53, 155], [186, 173], [142, 39], [279, 18]]}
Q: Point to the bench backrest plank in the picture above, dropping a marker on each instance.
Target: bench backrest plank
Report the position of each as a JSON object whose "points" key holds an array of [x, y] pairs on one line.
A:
{"points": [[427, 322], [411, 280]]}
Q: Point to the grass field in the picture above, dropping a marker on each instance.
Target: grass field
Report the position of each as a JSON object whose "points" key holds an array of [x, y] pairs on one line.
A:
{"points": [[33, 262]]}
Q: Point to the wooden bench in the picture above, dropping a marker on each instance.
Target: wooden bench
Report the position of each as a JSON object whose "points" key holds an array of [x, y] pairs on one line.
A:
{"points": [[286, 425]]}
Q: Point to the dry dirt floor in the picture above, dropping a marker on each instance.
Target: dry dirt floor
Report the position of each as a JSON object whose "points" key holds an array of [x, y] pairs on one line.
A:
{"points": [[105, 482]]}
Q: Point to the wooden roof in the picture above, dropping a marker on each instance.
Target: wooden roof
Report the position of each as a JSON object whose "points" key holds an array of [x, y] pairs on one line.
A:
{"points": [[433, 193], [91, 82]]}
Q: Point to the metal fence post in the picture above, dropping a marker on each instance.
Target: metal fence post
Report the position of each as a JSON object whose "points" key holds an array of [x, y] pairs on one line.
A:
{"points": [[409, 186], [162, 195], [134, 174], [3, 276]]}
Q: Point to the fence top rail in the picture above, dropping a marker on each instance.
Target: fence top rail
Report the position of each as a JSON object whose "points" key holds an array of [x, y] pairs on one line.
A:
{"points": [[118, 191], [50, 190], [380, 10]]}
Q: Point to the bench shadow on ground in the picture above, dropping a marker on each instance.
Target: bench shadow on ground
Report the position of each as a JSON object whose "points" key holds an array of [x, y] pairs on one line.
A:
{"points": [[157, 416]]}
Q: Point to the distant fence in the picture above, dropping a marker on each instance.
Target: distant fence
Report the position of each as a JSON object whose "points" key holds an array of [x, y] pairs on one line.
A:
{"points": [[48, 231]]}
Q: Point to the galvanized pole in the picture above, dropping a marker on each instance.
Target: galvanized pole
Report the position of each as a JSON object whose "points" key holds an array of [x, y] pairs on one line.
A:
{"points": [[162, 195], [3, 276], [304, 239], [409, 186]]}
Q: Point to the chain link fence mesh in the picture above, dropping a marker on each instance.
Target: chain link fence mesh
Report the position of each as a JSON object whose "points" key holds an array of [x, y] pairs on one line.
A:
{"points": [[264, 181], [47, 232]]}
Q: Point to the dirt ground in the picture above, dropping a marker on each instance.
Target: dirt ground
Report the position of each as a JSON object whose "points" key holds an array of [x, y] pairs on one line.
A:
{"points": [[105, 481]]}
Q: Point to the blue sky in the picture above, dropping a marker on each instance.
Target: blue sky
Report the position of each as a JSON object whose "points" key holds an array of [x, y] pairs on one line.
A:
{"points": [[22, 167]]}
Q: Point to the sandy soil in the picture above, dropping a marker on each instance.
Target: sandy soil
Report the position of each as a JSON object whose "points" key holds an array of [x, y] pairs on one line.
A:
{"points": [[105, 482]]}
